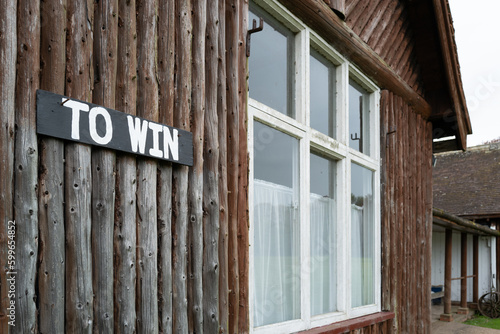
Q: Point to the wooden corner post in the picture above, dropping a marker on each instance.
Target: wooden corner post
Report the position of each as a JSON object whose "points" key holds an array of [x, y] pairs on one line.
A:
{"points": [[447, 316]]}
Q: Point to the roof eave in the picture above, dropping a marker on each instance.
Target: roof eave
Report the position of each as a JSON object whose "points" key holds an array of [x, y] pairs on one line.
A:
{"points": [[452, 70]]}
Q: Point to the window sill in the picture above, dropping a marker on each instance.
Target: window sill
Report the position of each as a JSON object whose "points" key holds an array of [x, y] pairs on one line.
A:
{"points": [[352, 324]]}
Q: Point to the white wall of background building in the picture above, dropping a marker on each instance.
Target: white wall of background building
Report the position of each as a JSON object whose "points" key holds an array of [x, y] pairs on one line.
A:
{"points": [[487, 259]]}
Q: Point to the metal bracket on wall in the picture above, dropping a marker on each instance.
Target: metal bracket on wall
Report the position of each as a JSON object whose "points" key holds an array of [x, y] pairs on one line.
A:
{"points": [[253, 30]]}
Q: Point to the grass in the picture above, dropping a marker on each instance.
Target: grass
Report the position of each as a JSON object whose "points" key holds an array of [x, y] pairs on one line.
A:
{"points": [[482, 321]]}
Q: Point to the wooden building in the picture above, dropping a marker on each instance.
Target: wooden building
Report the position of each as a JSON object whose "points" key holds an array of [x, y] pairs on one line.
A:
{"points": [[466, 223], [463, 183], [309, 202]]}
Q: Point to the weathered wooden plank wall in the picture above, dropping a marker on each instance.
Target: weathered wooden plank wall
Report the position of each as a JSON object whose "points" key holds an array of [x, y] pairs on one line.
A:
{"points": [[125, 235], [243, 217], [166, 89], [406, 167], [78, 175], [233, 117], [104, 166], [26, 163], [8, 54], [122, 242], [195, 198], [123, 239], [383, 25], [51, 178], [180, 173], [211, 203], [406, 155], [223, 204], [147, 232]]}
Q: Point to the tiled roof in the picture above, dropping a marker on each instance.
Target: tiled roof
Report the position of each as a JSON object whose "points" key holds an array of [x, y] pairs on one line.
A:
{"points": [[468, 183]]}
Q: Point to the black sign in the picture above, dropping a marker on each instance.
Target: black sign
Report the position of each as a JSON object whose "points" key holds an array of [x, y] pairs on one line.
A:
{"points": [[62, 117]]}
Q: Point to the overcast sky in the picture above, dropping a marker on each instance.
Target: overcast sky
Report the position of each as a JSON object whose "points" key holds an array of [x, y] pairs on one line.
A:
{"points": [[477, 33]]}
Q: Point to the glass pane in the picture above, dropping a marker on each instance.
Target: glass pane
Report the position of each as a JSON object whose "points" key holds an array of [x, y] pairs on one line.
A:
{"points": [[323, 255], [276, 243], [270, 63], [322, 93], [358, 118], [362, 236]]}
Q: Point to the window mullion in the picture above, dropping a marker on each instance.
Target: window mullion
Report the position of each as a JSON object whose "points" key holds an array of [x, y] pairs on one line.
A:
{"points": [[251, 271], [301, 76], [375, 121], [340, 235], [342, 123], [378, 241], [305, 229], [347, 236]]}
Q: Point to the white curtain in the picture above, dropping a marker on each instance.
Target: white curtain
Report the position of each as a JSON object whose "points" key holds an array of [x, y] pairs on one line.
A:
{"points": [[323, 255], [362, 251], [276, 247]]}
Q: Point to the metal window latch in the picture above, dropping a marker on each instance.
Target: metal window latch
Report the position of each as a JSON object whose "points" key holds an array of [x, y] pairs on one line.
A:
{"points": [[355, 137], [253, 30]]}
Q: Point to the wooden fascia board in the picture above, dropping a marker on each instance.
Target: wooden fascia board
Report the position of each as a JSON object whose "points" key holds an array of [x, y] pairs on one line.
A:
{"points": [[453, 226], [444, 219], [444, 146], [452, 71], [319, 16], [494, 215]]}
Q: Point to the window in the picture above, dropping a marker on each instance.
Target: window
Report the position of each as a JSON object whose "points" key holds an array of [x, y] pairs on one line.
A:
{"points": [[315, 207]]}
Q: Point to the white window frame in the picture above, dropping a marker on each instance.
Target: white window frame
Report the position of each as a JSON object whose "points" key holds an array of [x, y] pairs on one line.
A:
{"points": [[337, 149]]}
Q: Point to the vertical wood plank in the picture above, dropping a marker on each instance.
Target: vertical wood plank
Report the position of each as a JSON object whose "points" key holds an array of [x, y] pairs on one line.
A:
{"points": [[180, 173], [165, 246], [394, 209], [407, 223], [243, 217], [79, 293], [390, 326], [385, 199], [166, 62], [412, 223], [232, 72], [447, 271], [402, 216], [498, 260], [392, 158], [195, 197], [415, 213], [51, 178], [147, 236], [428, 224], [463, 269], [426, 313], [211, 177], [26, 164], [399, 173], [420, 219], [425, 157], [104, 167], [475, 268], [222, 137], [8, 57], [125, 236]]}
